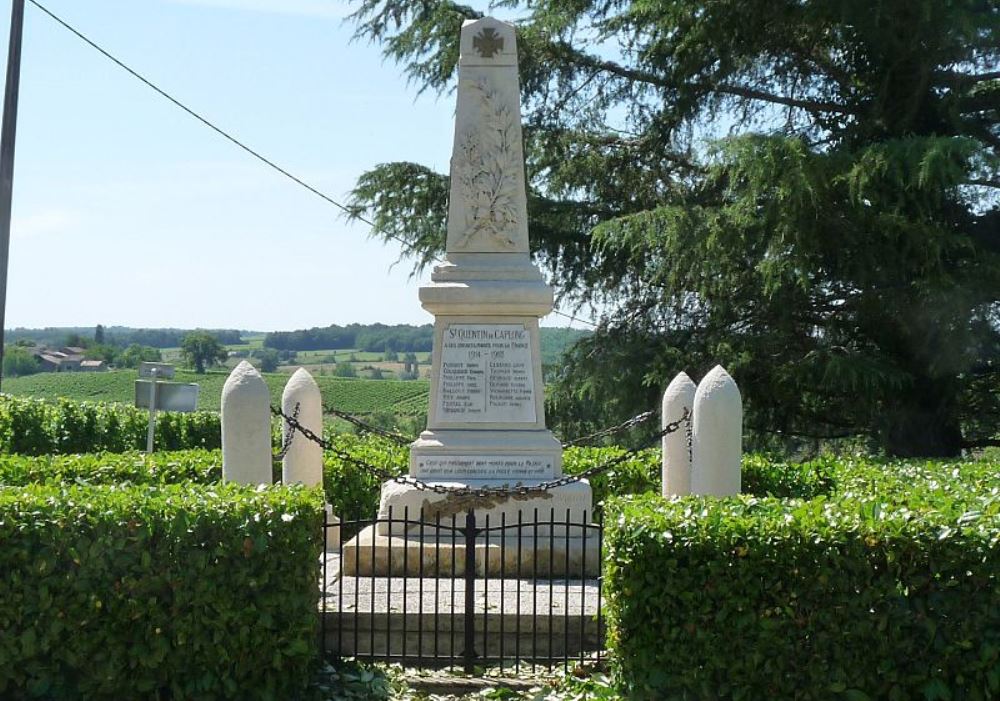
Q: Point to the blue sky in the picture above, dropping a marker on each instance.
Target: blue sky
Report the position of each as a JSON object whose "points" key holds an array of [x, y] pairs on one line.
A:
{"points": [[127, 211]]}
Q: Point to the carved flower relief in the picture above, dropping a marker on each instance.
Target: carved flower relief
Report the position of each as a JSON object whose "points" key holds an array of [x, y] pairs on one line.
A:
{"points": [[487, 172]]}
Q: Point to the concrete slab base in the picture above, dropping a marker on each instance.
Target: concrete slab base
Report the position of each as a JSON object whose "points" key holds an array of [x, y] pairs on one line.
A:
{"points": [[442, 554], [423, 618], [571, 503]]}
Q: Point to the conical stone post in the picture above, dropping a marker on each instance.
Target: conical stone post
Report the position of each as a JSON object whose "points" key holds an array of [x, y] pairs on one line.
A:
{"points": [[303, 462], [676, 472], [718, 435], [246, 427]]}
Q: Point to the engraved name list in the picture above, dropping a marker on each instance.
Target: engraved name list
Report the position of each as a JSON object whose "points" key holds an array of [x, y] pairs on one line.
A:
{"points": [[486, 374]]}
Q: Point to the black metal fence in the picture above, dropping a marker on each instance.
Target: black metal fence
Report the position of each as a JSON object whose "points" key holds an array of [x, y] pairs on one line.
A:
{"points": [[441, 589]]}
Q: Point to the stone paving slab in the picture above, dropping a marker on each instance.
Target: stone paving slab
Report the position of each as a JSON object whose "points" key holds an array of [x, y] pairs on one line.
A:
{"points": [[445, 596], [528, 555]]}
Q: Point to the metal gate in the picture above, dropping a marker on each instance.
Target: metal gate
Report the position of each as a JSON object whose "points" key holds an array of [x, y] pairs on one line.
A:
{"points": [[434, 591]]}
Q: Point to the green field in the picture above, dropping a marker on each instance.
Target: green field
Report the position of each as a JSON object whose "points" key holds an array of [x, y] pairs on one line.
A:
{"points": [[356, 396], [340, 356]]}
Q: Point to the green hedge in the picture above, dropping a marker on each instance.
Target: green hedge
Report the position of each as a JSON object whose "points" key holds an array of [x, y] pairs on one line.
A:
{"points": [[36, 427], [888, 587], [195, 466], [143, 592], [354, 493], [762, 475]]}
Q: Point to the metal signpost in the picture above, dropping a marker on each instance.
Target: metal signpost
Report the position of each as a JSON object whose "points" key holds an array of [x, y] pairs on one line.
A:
{"points": [[164, 371], [163, 396]]}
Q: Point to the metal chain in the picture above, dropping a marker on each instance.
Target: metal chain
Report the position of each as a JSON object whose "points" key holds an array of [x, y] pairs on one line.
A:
{"points": [[636, 420], [689, 430], [502, 490], [289, 436], [402, 440], [311, 435], [397, 438]]}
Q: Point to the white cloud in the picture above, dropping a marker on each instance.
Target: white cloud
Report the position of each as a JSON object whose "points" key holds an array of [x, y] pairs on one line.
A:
{"points": [[334, 9], [42, 224]]}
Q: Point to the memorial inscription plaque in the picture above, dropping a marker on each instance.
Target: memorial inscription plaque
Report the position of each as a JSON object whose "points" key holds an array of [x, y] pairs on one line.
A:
{"points": [[486, 374], [448, 468]]}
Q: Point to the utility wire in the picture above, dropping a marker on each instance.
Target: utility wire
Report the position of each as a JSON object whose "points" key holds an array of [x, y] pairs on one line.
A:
{"points": [[218, 130], [229, 137], [573, 317]]}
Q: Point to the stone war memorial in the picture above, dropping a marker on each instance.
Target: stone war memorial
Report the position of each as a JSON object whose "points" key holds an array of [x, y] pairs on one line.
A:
{"points": [[486, 419], [486, 454], [484, 528]]}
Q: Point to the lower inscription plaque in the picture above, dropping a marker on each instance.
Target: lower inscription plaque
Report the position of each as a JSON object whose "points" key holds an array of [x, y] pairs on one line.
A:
{"points": [[462, 467]]}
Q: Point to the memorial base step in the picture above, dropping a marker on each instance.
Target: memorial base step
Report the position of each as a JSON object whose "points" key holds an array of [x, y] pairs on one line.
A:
{"points": [[442, 554], [567, 504]]}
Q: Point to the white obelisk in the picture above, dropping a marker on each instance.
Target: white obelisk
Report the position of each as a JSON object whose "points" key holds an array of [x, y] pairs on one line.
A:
{"points": [[486, 420]]}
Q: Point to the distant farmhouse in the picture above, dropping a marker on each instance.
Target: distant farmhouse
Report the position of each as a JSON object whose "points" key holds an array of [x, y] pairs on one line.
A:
{"points": [[67, 359]]}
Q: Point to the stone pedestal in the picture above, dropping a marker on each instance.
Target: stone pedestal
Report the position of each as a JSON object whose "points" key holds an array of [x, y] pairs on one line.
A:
{"points": [[429, 555], [486, 420], [547, 513]]}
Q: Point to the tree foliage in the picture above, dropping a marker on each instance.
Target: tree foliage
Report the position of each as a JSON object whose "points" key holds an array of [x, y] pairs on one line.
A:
{"points": [[201, 350], [135, 355], [804, 191], [18, 361], [268, 359], [366, 337]]}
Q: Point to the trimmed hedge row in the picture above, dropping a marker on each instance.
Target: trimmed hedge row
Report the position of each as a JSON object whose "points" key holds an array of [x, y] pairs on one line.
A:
{"points": [[886, 588], [151, 592], [36, 427], [354, 493], [350, 491], [194, 466]]}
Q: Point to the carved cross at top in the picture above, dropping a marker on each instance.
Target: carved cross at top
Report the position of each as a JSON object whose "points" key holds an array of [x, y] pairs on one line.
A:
{"points": [[488, 42]]}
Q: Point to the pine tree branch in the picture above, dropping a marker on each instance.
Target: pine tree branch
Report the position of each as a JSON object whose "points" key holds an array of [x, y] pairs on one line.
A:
{"points": [[823, 63], [641, 76], [761, 95], [959, 78], [977, 129], [978, 103], [982, 443], [984, 370]]}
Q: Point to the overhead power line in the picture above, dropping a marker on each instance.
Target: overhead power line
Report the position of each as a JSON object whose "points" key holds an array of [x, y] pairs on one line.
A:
{"points": [[574, 317], [211, 125], [232, 139]]}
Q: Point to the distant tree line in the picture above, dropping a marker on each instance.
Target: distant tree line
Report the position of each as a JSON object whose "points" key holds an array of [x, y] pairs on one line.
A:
{"points": [[18, 359], [117, 346], [169, 338], [376, 338], [120, 336]]}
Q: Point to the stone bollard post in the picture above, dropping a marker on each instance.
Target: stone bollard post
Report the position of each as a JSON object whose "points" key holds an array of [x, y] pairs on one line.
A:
{"points": [[718, 435], [303, 463], [676, 473], [246, 427]]}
